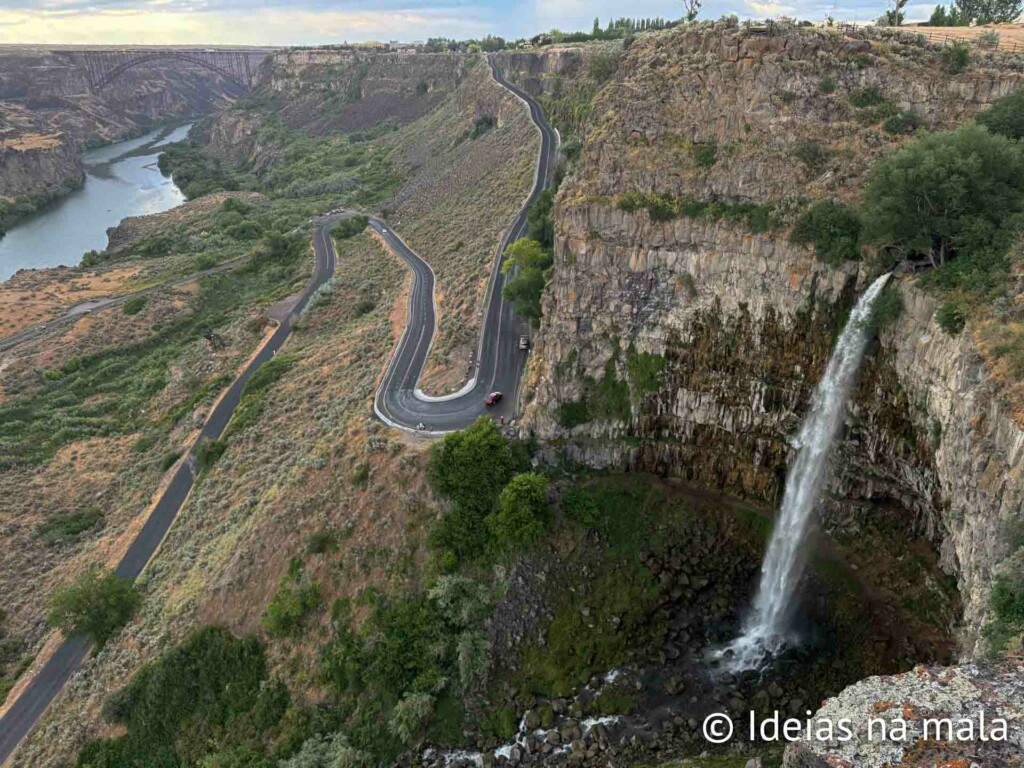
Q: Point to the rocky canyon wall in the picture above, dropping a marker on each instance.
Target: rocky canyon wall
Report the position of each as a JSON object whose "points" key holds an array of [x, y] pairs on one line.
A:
{"points": [[690, 347]]}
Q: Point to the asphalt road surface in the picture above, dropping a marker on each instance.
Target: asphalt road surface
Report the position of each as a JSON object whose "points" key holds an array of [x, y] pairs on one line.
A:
{"points": [[499, 361], [58, 669]]}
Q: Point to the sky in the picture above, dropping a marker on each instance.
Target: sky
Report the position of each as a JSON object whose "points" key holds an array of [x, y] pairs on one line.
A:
{"points": [[312, 22]]}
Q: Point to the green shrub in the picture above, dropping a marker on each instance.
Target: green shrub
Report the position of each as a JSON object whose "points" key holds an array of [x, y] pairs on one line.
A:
{"points": [[1006, 603], [886, 310], [410, 716], [833, 228], [96, 605], [288, 609], [350, 227], [705, 155], [135, 305], [955, 57], [574, 413], [208, 451], [812, 154], [523, 515], [758, 218], [233, 204], [245, 230], [869, 96], [1006, 116], [481, 125], [322, 542], [527, 263], [578, 505], [903, 122], [951, 318], [169, 459], [364, 307], [204, 261], [470, 468], [361, 475], [68, 526], [644, 369]]}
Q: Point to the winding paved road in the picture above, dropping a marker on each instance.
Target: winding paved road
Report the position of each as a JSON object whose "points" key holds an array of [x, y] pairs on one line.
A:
{"points": [[499, 361], [26, 710]]}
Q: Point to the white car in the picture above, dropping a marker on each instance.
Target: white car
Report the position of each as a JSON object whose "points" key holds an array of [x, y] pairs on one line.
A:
{"points": [[524, 342]]}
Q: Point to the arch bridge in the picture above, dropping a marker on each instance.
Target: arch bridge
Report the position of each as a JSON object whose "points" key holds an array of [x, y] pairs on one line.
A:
{"points": [[237, 65]]}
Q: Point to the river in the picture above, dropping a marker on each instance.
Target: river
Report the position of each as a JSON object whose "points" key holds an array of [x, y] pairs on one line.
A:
{"points": [[121, 180]]}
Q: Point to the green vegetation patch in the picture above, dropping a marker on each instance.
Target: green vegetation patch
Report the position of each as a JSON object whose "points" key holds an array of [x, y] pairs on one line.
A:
{"points": [[1006, 116], [254, 394], [205, 700], [757, 218], [135, 305], [96, 605], [296, 598], [833, 228], [69, 526], [350, 227], [108, 393]]}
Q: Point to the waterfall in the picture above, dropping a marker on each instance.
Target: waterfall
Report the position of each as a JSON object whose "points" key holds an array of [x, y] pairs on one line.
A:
{"points": [[766, 629]]}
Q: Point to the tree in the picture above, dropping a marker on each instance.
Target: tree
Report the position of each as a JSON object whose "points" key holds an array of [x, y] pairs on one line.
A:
{"points": [[691, 8], [1006, 116], [472, 465], [97, 605], [523, 514], [894, 16], [527, 262], [986, 11], [948, 195]]}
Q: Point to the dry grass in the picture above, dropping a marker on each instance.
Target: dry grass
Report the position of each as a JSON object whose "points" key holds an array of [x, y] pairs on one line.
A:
{"points": [[31, 141], [1011, 36], [32, 297]]}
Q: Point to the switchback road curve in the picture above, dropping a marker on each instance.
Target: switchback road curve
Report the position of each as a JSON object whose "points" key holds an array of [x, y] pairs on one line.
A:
{"points": [[499, 361], [33, 701]]}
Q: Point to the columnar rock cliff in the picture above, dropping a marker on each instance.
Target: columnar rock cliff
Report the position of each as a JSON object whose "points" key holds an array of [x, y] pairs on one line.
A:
{"points": [[691, 346]]}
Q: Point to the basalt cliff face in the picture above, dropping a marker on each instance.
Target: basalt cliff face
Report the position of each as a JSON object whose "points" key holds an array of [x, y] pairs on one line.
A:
{"points": [[38, 164], [690, 347]]}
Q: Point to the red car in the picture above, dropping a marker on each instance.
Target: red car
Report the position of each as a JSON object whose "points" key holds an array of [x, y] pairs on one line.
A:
{"points": [[493, 398]]}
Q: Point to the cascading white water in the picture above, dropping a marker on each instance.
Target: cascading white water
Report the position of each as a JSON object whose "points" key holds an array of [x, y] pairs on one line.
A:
{"points": [[766, 629]]}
